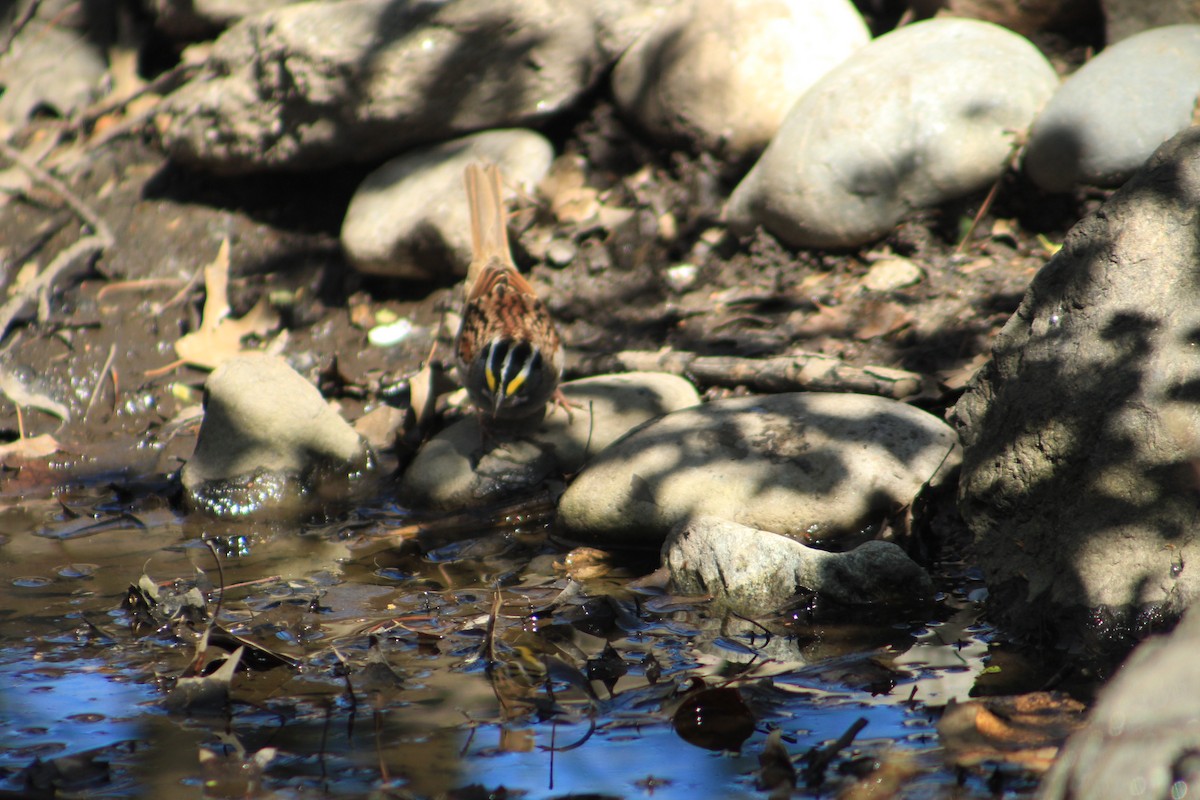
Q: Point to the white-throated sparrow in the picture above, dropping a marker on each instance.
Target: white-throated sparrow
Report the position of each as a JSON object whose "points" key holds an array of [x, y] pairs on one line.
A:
{"points": [[509, 354]]}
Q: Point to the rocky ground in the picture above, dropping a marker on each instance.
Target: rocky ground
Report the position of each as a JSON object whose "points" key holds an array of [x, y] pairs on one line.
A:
{"points": [[926, 299]]}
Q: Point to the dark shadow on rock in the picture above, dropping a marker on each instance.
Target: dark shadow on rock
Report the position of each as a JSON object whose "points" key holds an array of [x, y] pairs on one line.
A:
{"points": [[1078, 496]]}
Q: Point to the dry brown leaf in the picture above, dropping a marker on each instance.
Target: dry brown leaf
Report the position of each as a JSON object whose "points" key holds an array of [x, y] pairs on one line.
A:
{"points": [[420, 389], [123, 71], [1023, 729], [216, 288], [828, 319], [32, 447], [959, 377], [219, 337], [571, 200], [380, 425], [881, 317]]}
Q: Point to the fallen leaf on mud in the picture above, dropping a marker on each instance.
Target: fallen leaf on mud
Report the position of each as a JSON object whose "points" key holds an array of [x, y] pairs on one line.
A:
{"points": [[380, 425], [583, 563], [879, 318], [1025, 729], [220, 336], [32, 447], [21, 395], [828, 320], [571, 200], [776, 773], [959, 377], [424, 389]]}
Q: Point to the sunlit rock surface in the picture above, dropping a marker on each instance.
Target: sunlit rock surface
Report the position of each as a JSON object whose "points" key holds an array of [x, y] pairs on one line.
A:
{"points": [[722, 74], [1143, 735], [812, 465], [1111, 114], [409, 218], [753, 572], [322, 83], [921, 115], [269, 442]]}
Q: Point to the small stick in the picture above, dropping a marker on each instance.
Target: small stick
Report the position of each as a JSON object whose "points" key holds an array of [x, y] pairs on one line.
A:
{"points": [[991, 195], [819, 758], [100, 238], [85, 246], [85, 212], [112, 352], [798, 372]]}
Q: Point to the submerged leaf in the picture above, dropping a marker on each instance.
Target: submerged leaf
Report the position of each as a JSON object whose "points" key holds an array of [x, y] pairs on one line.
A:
{"points": [[21, 395], [208, 693], [715, 719], [30, 447]]}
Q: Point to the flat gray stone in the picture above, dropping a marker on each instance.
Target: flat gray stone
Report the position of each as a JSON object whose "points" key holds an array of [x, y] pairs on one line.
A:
{"points": [[264, 423], [462, 467], [921, 115], [1116, 110], [803, 464], [409, 218], [323, 83], [754, 572], [722, 74], [1082, 434]]}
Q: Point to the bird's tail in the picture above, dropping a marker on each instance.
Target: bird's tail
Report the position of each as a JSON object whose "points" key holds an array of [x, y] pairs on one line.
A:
{"points": [[489, 225]]}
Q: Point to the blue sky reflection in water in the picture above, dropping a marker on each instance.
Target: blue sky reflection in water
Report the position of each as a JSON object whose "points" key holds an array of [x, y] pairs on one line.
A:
{"points": [[75, 678], [54, 708]]}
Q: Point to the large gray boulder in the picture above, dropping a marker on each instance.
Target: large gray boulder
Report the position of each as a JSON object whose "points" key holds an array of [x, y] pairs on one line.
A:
{"points": [[409, 218], [466, 465], [722, 74], [1082, 434], [921, 115], [1108, 117], [753, 572], [328, 82]]}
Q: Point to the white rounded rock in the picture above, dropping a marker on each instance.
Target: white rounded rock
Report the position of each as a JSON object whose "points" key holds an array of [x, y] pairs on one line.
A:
{"points": [[811, 465], [409, 218], [722, 74], [920, 116], [1116, 109], [753, 572]]}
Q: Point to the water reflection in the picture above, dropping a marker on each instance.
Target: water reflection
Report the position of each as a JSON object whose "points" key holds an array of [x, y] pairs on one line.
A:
{"points": [[384, 667], [50, 708]]}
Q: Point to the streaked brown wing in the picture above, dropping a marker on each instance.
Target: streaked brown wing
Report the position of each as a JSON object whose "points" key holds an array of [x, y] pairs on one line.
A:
{"points": [[496, 274]]}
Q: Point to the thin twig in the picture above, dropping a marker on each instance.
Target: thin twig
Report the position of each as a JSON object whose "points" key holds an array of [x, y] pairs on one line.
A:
{"points": [[18, 25], [797, 372], [1009, 163], [112, 352], [85, 212], [100, 238], [85, 246]]}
